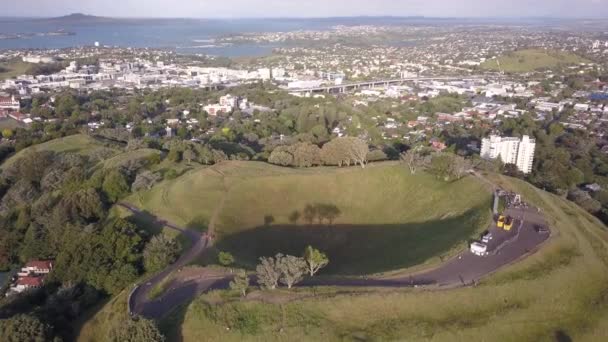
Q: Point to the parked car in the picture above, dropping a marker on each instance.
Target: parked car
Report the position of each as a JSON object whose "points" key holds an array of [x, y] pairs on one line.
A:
{"points": [[486, 237]]}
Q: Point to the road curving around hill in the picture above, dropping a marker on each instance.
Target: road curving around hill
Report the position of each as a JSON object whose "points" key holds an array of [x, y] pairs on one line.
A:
{"points": [[463, 270]]}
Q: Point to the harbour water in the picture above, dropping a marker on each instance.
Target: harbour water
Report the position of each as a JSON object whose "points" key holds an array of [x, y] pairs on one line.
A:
{"points": [[181, 35]]}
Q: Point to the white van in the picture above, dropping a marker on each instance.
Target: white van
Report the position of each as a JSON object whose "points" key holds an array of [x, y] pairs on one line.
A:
{"points": [[479, 248]]}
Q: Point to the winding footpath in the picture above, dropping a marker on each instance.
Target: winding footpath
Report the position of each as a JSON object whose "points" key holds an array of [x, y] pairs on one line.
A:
{"points": [[463, 270]]}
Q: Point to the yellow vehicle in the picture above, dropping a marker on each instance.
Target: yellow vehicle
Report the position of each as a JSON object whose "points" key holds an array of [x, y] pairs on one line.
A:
{"points": [[501, 221], [508, 223]]}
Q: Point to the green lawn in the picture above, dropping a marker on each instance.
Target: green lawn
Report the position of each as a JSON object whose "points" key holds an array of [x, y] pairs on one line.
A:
{"points": [[380, 227], [187, 201], [532, 59], [558, 294]]}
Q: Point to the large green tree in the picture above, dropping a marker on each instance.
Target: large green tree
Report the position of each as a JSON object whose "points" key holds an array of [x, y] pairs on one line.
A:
{"points": [[115, 185], [315, 260], [160, 252]]}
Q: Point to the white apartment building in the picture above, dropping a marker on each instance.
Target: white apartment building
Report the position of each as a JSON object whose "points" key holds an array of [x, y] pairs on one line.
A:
{"points": [[519, 152], [229, 100]]}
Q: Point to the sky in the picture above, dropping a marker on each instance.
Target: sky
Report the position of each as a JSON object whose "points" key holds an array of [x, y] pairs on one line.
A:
{"points": [[308, 8]]}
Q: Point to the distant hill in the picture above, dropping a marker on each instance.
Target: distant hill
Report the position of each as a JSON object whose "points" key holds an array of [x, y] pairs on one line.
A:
{"points": [[531, 60], [86, 19], [77, 18]]}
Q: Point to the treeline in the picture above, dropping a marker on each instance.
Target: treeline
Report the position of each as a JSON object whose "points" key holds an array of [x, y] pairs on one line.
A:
{"points": [[297, 119], [342, 151], [271, 272]]}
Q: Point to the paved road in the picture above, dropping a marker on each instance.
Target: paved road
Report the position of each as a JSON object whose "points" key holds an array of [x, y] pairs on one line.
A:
{"points": [[467, 268], [138, 300], [464, 269]]}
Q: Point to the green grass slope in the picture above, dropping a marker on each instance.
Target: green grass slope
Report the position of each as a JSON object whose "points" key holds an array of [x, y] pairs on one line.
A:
{"points": [[78, 143], [387, 218], [532, 59], [560, 293], [124, 158]]}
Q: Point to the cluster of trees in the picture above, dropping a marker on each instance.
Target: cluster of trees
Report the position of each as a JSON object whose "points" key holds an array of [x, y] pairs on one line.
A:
{"points": [[160, 252], [345, 151], [303, 154], [245, 136], [564, 161], [26, 328], [200, 153], [288, 269], [280, 269], [447, 166], [342, 151], [56, 206], [47, 314]]}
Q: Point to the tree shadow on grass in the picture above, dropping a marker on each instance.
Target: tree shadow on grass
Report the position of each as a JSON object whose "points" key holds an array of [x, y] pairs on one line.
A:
{"points": [[562, 336], [357, 249], [146, 220]]}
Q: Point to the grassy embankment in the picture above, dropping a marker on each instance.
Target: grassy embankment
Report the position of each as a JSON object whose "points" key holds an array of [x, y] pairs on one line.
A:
{"points": [[531, 60], [559, 293]]}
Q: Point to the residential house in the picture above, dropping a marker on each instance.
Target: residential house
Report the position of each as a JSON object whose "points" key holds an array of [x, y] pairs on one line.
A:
{"points": [[27, 283]]}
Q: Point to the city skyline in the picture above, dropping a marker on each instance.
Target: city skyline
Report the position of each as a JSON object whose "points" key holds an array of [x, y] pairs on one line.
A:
{"points": [[312, 8]]}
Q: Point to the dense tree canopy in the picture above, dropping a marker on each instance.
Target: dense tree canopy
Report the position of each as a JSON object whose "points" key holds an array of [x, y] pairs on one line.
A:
{"points": [[159, 252], [25, 328]]}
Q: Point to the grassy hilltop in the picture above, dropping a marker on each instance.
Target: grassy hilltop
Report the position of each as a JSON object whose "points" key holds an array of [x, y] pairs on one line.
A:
{"points": [[531, 60], [385, 219]]}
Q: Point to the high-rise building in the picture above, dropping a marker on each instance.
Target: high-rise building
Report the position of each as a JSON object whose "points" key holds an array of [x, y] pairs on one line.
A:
{"points": [[519, 152]]}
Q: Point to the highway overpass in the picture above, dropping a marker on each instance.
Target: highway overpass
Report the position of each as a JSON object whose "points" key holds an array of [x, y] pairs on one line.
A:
{"points": [[341, 88]]}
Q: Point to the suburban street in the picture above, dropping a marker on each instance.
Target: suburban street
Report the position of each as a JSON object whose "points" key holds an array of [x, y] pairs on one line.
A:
{"points": [[462, 270]]}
